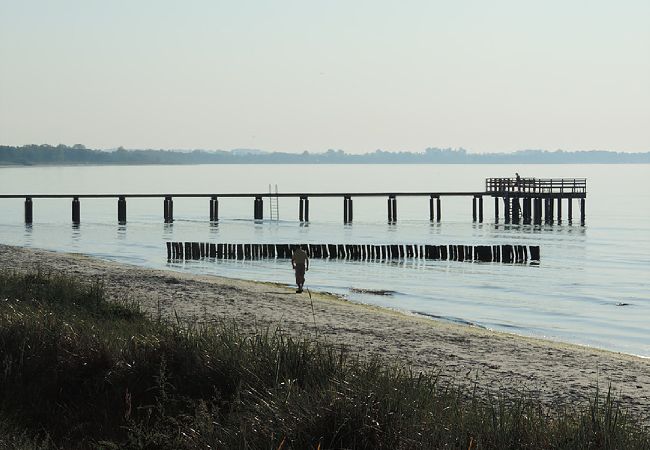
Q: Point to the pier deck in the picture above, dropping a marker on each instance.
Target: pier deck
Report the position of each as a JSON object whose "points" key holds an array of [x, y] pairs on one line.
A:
{"points": [[532, 192]]}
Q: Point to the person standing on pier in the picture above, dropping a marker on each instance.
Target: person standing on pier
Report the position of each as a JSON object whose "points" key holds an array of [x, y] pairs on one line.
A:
{"points": [[300, 264], [518, 181]]}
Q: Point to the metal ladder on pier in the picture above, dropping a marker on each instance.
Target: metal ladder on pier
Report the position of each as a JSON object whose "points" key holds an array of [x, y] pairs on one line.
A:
{"points": [[274, 204]]}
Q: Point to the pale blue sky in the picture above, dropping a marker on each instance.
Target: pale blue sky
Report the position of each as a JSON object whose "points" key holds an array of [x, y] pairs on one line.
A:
{"points": [[306, 75]]}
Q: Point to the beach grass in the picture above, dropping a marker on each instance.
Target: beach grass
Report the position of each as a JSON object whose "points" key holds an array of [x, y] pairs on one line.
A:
{"points": [[78, 371]]}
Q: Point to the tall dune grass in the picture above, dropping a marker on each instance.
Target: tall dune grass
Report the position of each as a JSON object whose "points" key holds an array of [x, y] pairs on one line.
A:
{"points": [[77, 371]]}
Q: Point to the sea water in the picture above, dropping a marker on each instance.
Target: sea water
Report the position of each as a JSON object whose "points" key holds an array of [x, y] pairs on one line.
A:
{"points": [[592, 286]]}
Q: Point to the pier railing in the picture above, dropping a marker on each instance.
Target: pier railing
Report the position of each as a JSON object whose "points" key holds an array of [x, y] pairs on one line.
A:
{"points": [[536, 185]]}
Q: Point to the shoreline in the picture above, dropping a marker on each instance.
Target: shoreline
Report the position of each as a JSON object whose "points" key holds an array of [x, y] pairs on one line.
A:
{"points": [[553, 371]]}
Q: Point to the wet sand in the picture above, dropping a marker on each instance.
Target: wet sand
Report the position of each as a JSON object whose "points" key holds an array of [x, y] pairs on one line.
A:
{"points": [[554, 372]]}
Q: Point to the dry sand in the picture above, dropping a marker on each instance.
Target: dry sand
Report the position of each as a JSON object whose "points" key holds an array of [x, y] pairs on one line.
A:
{"points": [[552, 371]]}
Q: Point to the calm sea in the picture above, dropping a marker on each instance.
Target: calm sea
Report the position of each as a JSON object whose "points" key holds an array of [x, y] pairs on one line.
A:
{"points": [[574, 295]]}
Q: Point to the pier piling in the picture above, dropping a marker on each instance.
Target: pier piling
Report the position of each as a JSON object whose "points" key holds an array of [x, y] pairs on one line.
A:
{"points": [[480, 209], [347, 209], [304, 209], [121, 210], [392, 209], [258, 213], [76, 211], [29, 216], [214, 209], [168, 209]]}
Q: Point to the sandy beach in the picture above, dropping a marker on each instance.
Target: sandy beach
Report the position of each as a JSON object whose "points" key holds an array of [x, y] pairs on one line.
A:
{"points": [[554, 372]]}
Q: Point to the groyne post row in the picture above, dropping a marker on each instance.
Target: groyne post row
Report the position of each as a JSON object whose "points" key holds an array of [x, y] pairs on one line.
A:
{"points": [[516, 254], [533, 200], [530, 200]]}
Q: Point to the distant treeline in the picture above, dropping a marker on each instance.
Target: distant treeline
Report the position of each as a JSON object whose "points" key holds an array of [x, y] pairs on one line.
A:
{"points": [[79, 154]]}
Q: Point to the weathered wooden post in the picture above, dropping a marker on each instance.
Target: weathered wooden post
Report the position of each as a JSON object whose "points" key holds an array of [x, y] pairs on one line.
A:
{"points": [[538, 211], [438, 209], [506, 209], [29, 216], [392, 209], [480, 209], [559, 210], [347, 209], [169, 209], [76, 213], [527, 210], [582, 211], [431, 209], [121, 210], [516, 209], [570, 209], [258, 213], [547, 210], [304, 208], [214, 209], [474, 209], [306, 202], [496, 209]]}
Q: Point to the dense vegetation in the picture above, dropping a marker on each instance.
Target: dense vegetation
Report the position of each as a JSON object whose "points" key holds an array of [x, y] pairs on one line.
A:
{"points": [[80, 372], [78, 154]]}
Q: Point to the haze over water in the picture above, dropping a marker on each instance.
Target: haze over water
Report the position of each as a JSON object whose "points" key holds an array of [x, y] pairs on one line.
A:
{"points": [[572, 296]]}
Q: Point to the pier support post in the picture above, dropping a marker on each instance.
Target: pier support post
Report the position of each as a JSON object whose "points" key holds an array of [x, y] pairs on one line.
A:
{"points": [[214, 209], [559, 210], [582, 211], [480, 209], [392, 209], [516, 210], [538, 211], [304, 209], [121, 210], [526, 205], [506, 212], [570, 209], [29, 217], [76, 211], [473, 209], [169, 209], [547, 210], [347, 209], [258, 212], [438, 210], [496, 209], [431, 208]]}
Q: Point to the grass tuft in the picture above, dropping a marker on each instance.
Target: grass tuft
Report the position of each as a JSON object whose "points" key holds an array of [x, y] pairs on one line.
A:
{"points": [[77, 371]]}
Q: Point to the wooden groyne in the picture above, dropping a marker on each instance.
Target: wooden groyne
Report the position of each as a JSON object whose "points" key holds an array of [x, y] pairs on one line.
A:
{"points": [[525, 200], [517, 254]]}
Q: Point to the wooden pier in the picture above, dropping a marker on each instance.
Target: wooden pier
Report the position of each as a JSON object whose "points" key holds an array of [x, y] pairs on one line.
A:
{"points": [[534, 200], [525, 200]]}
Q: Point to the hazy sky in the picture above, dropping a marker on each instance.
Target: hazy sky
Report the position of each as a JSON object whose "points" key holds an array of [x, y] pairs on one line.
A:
{"points": [[307, 75]]}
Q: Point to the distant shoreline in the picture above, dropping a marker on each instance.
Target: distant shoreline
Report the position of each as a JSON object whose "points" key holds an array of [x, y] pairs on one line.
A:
{"points": [[4, 165], [62, 155]]}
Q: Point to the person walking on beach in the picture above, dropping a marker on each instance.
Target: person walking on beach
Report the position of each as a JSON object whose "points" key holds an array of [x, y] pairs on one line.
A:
{"points": [[300, 264]]}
